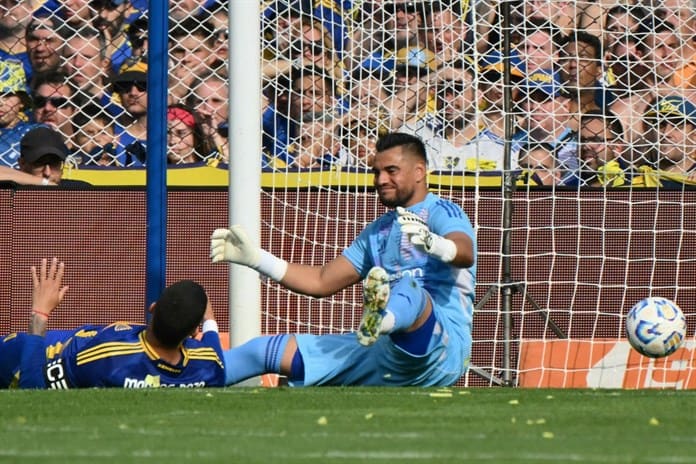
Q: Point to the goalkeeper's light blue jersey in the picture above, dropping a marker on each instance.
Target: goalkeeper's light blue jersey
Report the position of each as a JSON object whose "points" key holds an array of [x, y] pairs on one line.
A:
{"points": [[116, 355], [381, 243]]}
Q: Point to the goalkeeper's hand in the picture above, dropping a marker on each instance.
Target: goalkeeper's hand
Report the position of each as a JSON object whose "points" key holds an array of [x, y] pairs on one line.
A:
{"points": [[233, 245], [418, 233]]}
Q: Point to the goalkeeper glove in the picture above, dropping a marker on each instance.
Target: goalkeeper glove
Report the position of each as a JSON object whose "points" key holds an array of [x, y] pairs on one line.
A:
{"points": [[418, 233], [233, 245]]}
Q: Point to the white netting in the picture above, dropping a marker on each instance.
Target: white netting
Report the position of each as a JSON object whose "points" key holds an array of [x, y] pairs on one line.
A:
{"points": [[598, 106]]}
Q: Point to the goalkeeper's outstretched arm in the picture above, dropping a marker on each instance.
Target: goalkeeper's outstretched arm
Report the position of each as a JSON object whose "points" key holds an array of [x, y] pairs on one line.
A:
{"points": [[233, 245]]}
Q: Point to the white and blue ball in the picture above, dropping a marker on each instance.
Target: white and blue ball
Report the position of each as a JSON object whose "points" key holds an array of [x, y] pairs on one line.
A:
{"points": [[655, 327]]}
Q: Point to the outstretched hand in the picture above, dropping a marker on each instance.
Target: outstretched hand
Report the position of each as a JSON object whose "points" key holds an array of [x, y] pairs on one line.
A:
{"points": [[233, 245], [49, 290]]}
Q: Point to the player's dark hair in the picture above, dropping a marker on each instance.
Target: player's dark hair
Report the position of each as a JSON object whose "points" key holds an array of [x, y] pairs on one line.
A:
{"points": [[409, 142], [178, 312]]}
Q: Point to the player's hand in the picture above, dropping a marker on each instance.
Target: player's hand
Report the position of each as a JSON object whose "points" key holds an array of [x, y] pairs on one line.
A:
{"points": [[48, 289], [415, 228], [233, 245]]}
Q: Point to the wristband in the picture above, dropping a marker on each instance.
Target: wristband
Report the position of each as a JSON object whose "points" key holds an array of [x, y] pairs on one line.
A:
{"points": [[40, 313], [272, 266], [442, 248], [209, 326]]}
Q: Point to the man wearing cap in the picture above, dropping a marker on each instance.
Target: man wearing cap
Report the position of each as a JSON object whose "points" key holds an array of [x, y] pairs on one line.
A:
{"points": [[671, 122], [130, 87], [42, 154], [545, 110]]}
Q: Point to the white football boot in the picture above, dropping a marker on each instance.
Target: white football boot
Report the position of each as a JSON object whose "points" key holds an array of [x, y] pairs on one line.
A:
{"points": [[375, 297]]}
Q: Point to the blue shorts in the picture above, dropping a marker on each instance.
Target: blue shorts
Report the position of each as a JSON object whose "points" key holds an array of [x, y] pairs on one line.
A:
{"points": [[340, 360]]}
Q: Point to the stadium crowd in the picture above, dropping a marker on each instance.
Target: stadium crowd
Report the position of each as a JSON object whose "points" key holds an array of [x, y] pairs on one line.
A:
{"points": [[597, 94]]}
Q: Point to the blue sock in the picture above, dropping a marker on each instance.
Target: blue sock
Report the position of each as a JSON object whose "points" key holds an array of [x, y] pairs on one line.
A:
{"points": [[297, 368], [258, 356], [418, 341]]}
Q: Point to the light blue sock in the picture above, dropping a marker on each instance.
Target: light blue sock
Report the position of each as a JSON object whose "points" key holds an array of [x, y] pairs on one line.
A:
{"points": [[406, 303], [260, 355]]}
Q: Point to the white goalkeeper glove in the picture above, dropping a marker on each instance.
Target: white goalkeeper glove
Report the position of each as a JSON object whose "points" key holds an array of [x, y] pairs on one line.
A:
{"points": [[418, 233], [233, 245]]}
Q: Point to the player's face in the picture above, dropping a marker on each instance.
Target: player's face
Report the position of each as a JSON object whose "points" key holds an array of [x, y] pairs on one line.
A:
{"points": [[399, 178]]}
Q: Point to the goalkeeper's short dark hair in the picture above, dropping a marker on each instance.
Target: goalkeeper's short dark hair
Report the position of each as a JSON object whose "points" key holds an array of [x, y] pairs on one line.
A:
{"points": [[410, 143], [178, 311]]}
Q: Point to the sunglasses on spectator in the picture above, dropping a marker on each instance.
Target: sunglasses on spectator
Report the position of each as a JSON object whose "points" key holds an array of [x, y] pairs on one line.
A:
{"points": [[56, 102], [123, 87], [407, 7]]}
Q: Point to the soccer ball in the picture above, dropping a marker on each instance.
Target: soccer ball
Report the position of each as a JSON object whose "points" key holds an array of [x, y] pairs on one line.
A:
{"points": [[655, 327]]}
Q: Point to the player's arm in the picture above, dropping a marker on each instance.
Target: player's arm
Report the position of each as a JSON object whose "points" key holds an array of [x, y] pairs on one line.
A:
{"points": [[233, 245], [455, 248], [48, 292]]}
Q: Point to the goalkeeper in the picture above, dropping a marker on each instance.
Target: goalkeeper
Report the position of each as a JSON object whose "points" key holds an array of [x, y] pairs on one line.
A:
{"points": [[418, 266]]}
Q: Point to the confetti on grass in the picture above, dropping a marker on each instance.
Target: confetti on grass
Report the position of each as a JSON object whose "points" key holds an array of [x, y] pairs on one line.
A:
{"points": [[547, 435], [441, 395], [322, 420], [514, 402], [369, 416], [654, 421]]}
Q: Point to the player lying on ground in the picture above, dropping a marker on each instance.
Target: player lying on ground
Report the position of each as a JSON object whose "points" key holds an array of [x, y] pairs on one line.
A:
{"points": [[161, 353], [418, 266]]}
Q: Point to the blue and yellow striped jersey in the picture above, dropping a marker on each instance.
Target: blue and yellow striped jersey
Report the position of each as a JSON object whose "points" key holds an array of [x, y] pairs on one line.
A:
{"points": [[118, 355]]}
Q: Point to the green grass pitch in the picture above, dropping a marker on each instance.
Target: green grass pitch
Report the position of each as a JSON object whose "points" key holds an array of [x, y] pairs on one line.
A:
{"points": [[348, 425]]}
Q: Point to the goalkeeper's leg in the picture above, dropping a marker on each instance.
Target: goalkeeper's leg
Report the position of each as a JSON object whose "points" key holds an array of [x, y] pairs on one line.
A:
{"points": [[274, 354], [404, 312]]}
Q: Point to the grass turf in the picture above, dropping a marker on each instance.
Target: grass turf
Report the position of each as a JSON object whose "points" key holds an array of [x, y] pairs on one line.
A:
{"points": [[255, 425]]}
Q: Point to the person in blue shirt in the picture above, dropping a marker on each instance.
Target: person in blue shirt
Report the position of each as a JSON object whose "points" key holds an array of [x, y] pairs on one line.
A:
{"points": [[160, 353], [418, 266]]}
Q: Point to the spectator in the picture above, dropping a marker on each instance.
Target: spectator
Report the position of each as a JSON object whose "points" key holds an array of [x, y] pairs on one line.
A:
{"points": [[538, 163], [413, 89], [445, 32], [130, 87], [190, 46], [359, 139], [210, 99], [93, 137], [14, 101], [633, 92], [581, 69], [545, 111], [112, 16], [662, 50], [187, 141], [42, 154], [54, 102], [87, 65], [601, 146], [310, 91], [621, 28], [318, 145], [77, 14], [14, 17], [538, 46], [671, 123], [45, 38], [313, 47], [442, 129]]}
